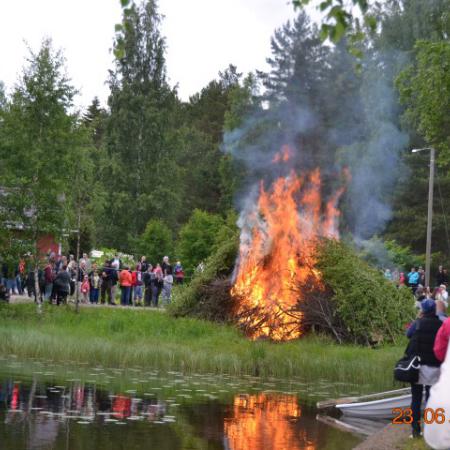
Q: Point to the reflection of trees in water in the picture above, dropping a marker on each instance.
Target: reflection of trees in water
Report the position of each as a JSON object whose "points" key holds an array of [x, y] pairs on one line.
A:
{"points": [[202, 422], [40, 416]]}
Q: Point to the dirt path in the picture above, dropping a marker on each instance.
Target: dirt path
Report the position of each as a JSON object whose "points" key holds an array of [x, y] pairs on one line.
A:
{"points": [[21, 299], [391, 437]]}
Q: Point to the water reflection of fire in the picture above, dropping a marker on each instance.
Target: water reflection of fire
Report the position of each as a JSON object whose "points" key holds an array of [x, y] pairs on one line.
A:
{"points": [[277, 252], [263, 422]]}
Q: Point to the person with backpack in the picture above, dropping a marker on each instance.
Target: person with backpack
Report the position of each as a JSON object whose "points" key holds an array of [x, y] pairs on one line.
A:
{"points": [[422, 334]]}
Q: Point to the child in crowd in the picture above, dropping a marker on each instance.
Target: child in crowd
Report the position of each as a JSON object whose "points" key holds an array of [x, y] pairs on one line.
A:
{"points": [[85, 288], [179, 273], [94, 287]]}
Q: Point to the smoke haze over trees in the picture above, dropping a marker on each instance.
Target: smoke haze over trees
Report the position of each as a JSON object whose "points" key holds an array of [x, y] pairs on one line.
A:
{"points": [[154, 159]]}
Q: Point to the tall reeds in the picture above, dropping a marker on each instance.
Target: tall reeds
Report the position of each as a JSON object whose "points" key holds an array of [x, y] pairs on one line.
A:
{"points": [[125, 338]]}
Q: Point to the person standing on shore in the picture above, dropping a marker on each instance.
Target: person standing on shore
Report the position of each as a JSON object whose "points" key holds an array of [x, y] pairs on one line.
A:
{"points": [[422, 334], [388, 274], [95, 282], [115, 265], [421, 273], [143, 264], [179, 273], [137, 285], [125, 281], [167, 280], [85, 289], [106, 284], [62, 285], [413, 279], [49, 278], [159, 282], [149, 279]]}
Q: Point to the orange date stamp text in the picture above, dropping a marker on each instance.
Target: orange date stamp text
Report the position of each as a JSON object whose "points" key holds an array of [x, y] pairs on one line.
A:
{"points": [[404, 416]]}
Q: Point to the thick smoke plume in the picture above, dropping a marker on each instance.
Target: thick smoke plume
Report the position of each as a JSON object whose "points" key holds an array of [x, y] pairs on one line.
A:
{"points": [[363, 136]]}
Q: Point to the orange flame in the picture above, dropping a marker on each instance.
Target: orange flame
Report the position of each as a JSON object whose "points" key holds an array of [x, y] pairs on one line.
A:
{"points": [[277, 254], [265, 421], [284, 155]]}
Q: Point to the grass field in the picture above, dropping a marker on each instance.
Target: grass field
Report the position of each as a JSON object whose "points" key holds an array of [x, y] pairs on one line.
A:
{"points": [[127, 337]]}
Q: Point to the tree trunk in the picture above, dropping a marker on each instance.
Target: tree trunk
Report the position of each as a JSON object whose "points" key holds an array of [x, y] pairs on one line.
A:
{"points": [[77, 291]]}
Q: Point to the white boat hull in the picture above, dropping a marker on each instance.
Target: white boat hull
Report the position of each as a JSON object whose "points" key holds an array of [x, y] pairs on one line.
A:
{"points": [[377, 408]]}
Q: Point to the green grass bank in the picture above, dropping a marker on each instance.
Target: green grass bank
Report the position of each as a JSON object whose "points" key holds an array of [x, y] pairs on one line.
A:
{"points": [[152, 339]]}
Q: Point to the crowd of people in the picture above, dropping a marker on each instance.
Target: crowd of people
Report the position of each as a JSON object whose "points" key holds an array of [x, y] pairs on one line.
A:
{"points": [[415, 278], [61, 277]]}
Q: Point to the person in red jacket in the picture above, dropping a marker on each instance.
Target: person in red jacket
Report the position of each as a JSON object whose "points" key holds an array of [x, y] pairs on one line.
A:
{"points": [[125, 280], [441, 341]]}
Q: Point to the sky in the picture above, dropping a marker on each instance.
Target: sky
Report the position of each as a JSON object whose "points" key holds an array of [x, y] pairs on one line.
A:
{"points": [[203, 37]]}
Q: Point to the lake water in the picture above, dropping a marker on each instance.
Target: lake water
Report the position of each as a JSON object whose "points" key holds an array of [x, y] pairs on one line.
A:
{"points": [[45, 406]]}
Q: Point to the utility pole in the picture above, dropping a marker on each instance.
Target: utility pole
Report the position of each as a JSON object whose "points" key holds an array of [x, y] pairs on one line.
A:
{"points": [[430, 211], [430, 217]]}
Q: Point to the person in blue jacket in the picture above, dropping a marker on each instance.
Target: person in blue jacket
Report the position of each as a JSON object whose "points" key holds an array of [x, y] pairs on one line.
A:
{"points": [[413, 279]]}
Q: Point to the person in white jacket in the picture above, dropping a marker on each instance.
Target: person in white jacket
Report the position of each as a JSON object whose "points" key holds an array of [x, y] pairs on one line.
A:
{"points": [[437, 431]]}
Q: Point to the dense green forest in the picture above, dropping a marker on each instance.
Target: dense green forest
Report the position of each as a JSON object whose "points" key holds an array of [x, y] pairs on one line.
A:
{"points": [[149, 173]]}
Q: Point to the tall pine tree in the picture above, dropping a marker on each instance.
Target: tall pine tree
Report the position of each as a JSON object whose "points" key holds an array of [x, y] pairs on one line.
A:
{"points": [[141, 180]]}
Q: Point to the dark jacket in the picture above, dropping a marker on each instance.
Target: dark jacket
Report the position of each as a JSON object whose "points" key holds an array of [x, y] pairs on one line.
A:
{"points": [[422, 340], [441, 278], [107, 274], [149, 279], [166, 269], [62, 282]]}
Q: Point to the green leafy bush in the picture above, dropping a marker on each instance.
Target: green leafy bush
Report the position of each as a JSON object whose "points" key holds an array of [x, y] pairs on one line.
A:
{"points": [[366, 307], [156, 241], [208, 294], [197, 238]]}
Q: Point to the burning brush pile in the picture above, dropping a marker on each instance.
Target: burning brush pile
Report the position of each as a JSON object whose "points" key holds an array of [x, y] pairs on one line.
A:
{"points": [[290, 274], [282, 288]]}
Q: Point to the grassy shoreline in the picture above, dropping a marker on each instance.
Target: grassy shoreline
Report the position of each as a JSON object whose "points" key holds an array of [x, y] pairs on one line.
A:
{"points": [[126, 338]]}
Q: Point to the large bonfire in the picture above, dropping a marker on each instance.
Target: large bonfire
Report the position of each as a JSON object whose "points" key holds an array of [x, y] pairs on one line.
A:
{"points": [[277, 252]]}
